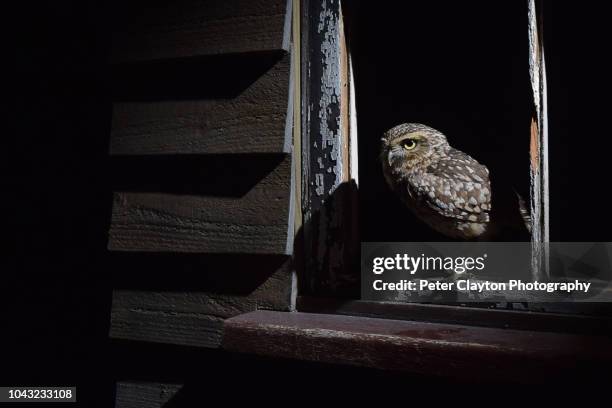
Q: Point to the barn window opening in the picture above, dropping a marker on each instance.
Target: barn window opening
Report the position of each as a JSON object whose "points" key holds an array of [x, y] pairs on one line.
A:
{"points": [[463, 70]]}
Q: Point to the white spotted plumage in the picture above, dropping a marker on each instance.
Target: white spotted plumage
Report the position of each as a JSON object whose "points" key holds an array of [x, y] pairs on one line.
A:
{"points": [[444, 187]]}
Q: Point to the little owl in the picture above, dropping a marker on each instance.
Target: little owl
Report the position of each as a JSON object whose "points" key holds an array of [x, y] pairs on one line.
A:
{"points": [[444, 187]]}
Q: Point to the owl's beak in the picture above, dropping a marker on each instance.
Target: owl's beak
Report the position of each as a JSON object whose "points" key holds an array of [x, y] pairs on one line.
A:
{"points": [[391, 157]]}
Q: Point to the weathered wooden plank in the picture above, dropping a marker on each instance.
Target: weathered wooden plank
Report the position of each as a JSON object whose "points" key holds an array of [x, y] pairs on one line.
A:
{"points": [[159, 29], [182, 326], [209, 77], [474, 316], [428, 348], [193, 174], [144, 394], [540, 208], [255, 121], [329, 198], [193, 318], [257, 222]]}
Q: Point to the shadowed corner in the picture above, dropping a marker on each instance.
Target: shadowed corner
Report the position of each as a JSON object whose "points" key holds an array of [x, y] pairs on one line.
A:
{"points": [[327, 246], [203, 77], [226, 175], [232, 274]]}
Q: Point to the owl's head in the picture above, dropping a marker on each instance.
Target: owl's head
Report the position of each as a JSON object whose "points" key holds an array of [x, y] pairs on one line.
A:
{"points": [[410, 145]]}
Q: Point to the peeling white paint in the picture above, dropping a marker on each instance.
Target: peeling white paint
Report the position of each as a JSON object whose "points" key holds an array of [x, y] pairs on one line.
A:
{"points": [[329, 101], [539, 171]]}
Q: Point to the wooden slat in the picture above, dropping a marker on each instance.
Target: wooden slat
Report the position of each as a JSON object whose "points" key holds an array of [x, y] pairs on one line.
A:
{"points": [[144, 395], [476, 316], [160, 29], [428, 348], [192, 318], [540, 209], [254, 121], [257, 222], [329, 193]]}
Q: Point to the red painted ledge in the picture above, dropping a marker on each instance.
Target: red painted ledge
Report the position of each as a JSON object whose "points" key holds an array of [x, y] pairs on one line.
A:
{"points": [[420, 347]]}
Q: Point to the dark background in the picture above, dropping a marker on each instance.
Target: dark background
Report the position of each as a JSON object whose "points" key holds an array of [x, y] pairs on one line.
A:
{"points": [[460, 67], [579, 121], [56, 288]]}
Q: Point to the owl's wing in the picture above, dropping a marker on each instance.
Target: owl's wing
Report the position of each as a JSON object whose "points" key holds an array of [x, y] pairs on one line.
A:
{"points": [[460, 188]]}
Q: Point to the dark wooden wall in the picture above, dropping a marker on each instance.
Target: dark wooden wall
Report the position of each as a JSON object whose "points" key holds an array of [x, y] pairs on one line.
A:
{"points": [[57, 274], [202, 171]]}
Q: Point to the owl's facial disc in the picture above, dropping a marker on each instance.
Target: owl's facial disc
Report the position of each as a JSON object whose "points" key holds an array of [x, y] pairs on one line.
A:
{"points": [[407, 149], [402, 149], [409, 145]]}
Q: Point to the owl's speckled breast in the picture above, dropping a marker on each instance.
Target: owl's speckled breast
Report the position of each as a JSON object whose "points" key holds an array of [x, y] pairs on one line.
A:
{"points": [[444, 187]]}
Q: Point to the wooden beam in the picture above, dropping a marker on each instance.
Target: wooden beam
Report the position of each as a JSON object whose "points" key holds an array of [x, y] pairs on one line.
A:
{"points": [[474, 316], [427, 348], [254, 121], [144, 394], [540, 208], [192, 318], [331, 238], [257, 222], [145, 30], [296, 70]]}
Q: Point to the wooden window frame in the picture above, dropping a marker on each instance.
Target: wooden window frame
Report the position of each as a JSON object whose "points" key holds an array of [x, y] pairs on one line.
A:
{"points": [[328, 239], [329, 325], [329, 156]]}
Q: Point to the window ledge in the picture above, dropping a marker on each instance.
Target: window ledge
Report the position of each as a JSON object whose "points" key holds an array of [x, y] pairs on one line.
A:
{"points": [[420, 347]]}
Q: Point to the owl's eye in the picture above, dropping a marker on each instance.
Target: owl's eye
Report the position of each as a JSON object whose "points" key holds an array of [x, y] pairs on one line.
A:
{"points": [[409, 144]]}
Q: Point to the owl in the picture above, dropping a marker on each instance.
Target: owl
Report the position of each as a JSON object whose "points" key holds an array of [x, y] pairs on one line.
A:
{"points": [[444, 187]]}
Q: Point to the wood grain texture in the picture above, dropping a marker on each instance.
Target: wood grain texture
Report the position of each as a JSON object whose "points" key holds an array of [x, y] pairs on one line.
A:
{"points": [[192, 318], [540, 207], [473, 316], [255, 121], [257, 222], [329, 199], [429, 348], [184, 28], [144, 395]]}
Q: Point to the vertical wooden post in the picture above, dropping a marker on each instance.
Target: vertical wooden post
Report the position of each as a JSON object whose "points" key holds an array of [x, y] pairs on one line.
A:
{"points": [[297, 112], [331, 241], [539, 141]]}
